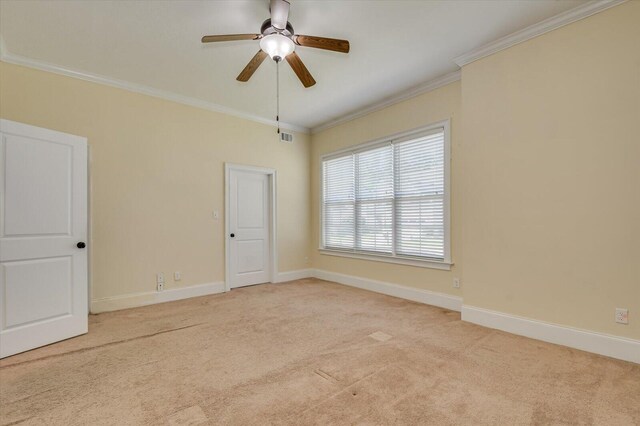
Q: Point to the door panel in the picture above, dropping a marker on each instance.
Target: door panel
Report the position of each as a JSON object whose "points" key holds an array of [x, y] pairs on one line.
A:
{"points": [[251, 256], [249, 218], [49, 283], [37, 180], [43, 274], [251, 201]]}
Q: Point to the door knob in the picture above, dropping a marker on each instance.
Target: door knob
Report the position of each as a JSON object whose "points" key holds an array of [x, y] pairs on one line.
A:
{"points": [[81, 245], [232, 235]]}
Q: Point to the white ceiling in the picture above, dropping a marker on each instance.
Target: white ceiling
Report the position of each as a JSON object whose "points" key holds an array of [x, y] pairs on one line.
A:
{"points": [[395, 45]]}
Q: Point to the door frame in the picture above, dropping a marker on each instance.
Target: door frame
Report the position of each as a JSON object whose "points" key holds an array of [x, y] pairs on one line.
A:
{"points": [[273, 236]]}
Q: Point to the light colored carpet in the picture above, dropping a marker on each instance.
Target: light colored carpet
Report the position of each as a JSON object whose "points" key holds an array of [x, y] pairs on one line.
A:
{"points": [[309, 352]]}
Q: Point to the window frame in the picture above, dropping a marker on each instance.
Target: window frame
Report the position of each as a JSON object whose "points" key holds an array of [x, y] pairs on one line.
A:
{"points": [[424, 262]]}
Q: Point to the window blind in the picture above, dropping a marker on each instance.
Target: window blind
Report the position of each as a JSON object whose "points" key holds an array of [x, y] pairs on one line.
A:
{"points": [[419, 196], [339, 203], [374, 200], [388, 199]]}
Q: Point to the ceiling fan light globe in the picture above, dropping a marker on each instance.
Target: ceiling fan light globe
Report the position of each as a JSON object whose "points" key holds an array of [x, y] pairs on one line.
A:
{"points": [[277, 46]]}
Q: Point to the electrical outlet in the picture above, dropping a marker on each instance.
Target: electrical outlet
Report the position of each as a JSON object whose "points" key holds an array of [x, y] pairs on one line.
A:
{"points": [[160, 281], [177, 276], [622, 316], [216, 214], [456, 283]]}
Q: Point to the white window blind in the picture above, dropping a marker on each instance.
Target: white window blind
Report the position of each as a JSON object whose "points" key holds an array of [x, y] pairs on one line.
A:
{"points": [[388, 199], [419, 196], [374, 200], [339, 203]]}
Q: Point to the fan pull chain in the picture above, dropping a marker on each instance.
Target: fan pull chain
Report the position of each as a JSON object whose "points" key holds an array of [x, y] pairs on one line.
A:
{"points": [[278, 94]]}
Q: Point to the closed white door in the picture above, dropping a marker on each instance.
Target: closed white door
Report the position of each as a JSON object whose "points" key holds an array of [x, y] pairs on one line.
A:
{"points": [[43, 231], [248, 238]]}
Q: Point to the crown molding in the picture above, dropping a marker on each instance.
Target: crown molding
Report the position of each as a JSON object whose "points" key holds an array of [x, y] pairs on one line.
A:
{"points": [[6, 56], [535, 30], [590, 8], [430, 85]]}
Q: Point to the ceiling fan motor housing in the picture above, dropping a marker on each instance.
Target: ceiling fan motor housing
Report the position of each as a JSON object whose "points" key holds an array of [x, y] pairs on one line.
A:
{"points": [[267, 29]]}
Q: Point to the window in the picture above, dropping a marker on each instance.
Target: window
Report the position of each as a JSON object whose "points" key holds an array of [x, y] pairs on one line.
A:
{"points": [[389, 199]]}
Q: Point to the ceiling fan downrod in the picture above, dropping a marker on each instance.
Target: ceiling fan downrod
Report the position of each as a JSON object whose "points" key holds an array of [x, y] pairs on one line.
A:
{"points": [[278, 95]]}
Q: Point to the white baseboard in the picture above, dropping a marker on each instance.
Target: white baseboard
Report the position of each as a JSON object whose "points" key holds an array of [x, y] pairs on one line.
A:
{"points": [[125, 301], [599, 343], [410, 293], [152, 297], [293, 275]]}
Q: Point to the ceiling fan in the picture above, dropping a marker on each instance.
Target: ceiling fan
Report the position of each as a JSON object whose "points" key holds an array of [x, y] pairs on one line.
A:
{"points": [[278, 41]]}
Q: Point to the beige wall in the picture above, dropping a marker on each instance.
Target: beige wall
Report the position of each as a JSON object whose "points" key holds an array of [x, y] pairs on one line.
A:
{"points": [[551, 192], [438, 105], [157, 174], [545, 191], [545, 177]]}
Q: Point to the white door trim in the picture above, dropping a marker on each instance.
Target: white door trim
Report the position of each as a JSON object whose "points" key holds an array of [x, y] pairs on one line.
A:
{"points": [[273, 236]]}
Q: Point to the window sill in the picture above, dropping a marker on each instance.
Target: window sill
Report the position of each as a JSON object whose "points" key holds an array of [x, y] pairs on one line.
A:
{"points": [[432, 264]]}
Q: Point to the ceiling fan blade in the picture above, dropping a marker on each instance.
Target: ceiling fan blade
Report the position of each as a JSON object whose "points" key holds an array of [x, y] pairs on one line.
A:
{"points": [[230, 37], [252, 66], [301, 71], [325, 43], [279, 13]]}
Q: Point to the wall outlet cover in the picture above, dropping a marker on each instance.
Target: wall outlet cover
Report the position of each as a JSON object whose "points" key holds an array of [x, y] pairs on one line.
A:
{"points": [[622, 316]]}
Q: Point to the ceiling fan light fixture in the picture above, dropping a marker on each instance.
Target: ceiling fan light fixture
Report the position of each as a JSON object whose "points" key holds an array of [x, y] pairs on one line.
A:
{"points": [[277, 46]]}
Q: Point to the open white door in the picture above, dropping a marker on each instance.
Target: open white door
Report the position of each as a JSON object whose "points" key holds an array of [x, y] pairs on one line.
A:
{"points": [[43, 231], [249, 217]]}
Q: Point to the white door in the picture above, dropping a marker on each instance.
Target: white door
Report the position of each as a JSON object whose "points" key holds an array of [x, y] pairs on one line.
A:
{"points": [[43, 231], [248, 239]]}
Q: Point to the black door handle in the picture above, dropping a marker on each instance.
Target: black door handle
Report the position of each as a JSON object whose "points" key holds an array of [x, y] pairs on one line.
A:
{"points": [[232, 235], [81, 245]]}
